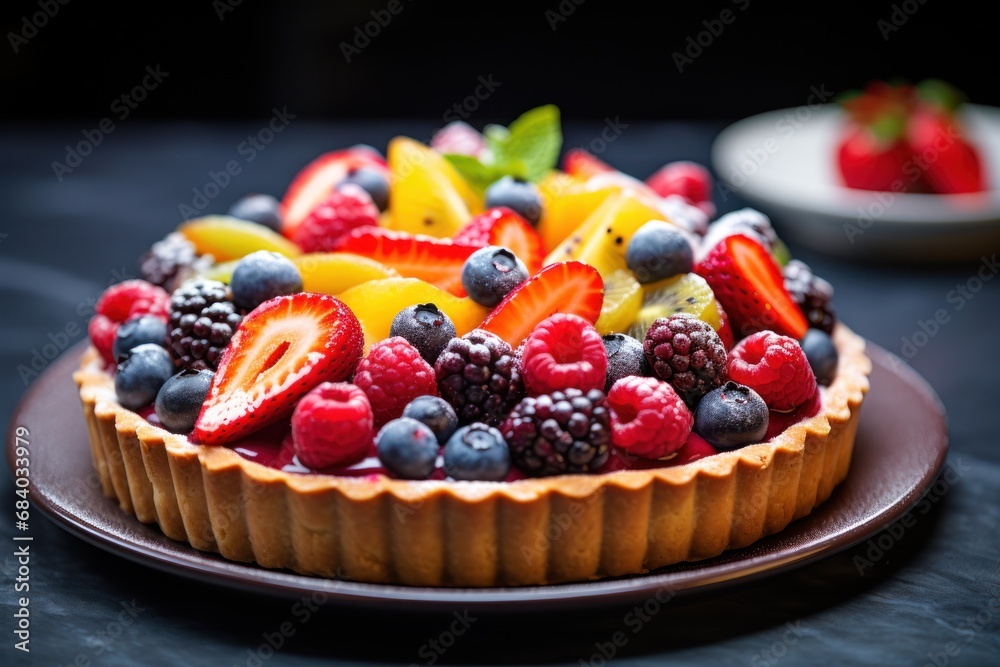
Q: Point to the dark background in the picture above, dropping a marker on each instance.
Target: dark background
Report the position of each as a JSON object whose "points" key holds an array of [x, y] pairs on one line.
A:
{"points": [[604, 59]]}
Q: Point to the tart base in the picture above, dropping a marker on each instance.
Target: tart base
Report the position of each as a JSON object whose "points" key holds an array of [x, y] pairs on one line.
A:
{"points": [[432, 533]]}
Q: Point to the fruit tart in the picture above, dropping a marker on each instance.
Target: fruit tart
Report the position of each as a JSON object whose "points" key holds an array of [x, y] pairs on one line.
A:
{"points": [[459, 365]]}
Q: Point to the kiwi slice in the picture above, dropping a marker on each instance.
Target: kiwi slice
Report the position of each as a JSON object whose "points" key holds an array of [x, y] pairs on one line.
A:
{"points": [[684, 293]]}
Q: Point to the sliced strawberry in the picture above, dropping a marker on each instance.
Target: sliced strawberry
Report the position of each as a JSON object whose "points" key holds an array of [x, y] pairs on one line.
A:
{"points": [[313, 184], [748, 283], [437, 261], [952, 165], [725, 329], [564, 287], [578, 162], [501, 226], [280, 351]]}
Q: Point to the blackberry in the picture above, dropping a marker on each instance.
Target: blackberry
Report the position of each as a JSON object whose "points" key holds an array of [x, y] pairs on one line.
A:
{"points": [[561, 432], [202, 320], [170, 261], [479, 375], [812, 293], [687, 353]]}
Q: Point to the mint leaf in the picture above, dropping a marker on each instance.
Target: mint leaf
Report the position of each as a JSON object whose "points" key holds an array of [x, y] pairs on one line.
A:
{"points": [[534, 139], [476, 174]]}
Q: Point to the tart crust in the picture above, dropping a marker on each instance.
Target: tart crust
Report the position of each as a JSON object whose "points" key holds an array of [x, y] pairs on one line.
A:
{"points": [[436, 533]]}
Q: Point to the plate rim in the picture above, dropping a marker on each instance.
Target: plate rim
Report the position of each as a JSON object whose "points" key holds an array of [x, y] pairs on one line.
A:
{"points": [[212, 568]]}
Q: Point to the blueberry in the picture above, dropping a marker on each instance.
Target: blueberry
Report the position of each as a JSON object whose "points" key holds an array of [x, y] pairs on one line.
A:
{"points": [[263, 275], [407, 448], [426, 327], [180, 399], [141, 375], [490, 273], [262, 209], [477, 452], [625, 358], [518, 195], [822, 355], [138, 331], [436, 413], [731, 416], [372, 181], [657, 251]]}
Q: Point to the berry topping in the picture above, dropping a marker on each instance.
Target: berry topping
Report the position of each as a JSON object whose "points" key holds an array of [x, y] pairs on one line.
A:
{"points": [[138, 331], [477, 452], [489, 274], [180, 399], [436, 413], [658, 250], [203, 320], [393, 374], [501, 226], [458, 138], [625, 357], [564, 351], [407, 448], [332, 425], [748, 283], [141, 375], [346, 208], [731, 416], [564, 287], [688, 354], [687, 293], [479, 376], [822, 355], [171, 261], [689, 180], [522, 197], [426, 327], [561, 432], [812, 294], [373, 181], [122, 302], [648, 418], [280, 351], [261, 276], [262, 209], [437, 261], [775, 367]]}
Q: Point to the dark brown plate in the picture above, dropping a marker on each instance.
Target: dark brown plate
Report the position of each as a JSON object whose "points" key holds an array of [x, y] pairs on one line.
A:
{"points": [[901, 446]]}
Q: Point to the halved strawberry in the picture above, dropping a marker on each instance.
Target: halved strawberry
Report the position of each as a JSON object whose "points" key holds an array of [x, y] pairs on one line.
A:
{"points": [[748, 283], [563, 287], [501, 226], [281, 350], [313, 184], [582, 164], [437, 261]]}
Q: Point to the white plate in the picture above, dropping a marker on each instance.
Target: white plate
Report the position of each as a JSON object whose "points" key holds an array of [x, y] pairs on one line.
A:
{"points": [[783, 162]]}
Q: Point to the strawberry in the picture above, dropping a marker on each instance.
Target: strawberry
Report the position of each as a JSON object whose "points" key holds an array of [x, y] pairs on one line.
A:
{"points": [[282, 349], [748, 283], [952, 165], [581, 164], [501, 226], [437, 261], [564, 287], [315, 182], [122, 302], [689, 180], [868, 162]]}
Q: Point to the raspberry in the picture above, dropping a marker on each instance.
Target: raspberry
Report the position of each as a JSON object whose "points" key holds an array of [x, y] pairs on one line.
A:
{"points": [[122, 302], [392, 375], [648, 418], [480, 376], [171, 261], [332, 425], [775, 367], [559, 432], [202, 321], [563, 351], [346, 208], [812, 294], [688, 354]]}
